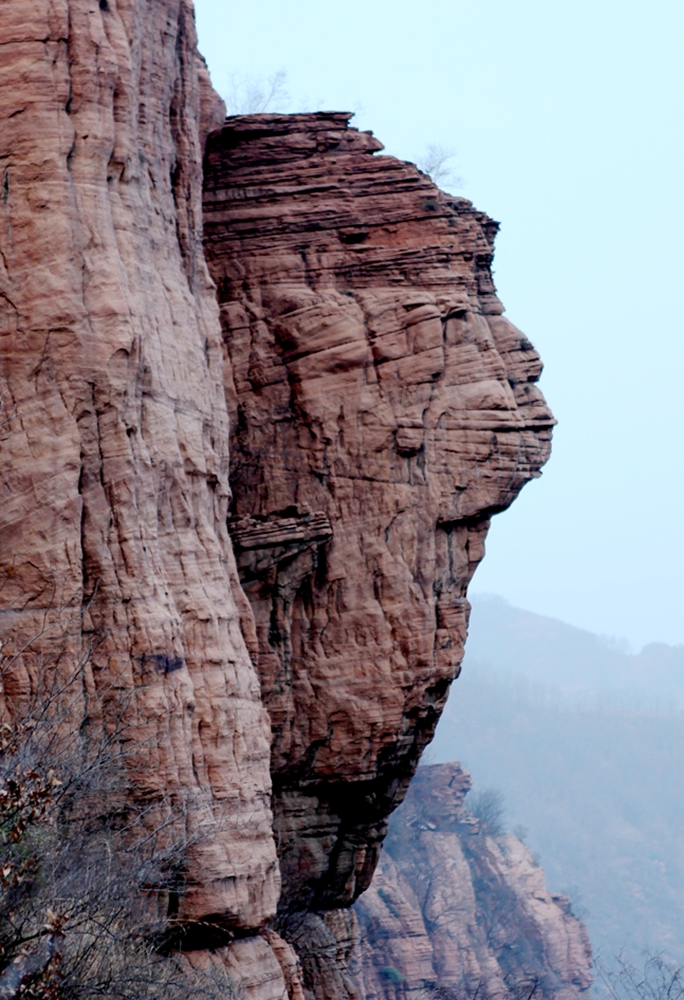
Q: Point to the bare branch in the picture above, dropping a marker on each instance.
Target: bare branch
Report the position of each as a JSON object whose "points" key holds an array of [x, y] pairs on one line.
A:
{"points": [[436, 162], [250, 95]]}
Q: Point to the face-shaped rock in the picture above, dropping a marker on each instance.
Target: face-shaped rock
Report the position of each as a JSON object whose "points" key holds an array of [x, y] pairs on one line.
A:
{"points": [[383, 410]]}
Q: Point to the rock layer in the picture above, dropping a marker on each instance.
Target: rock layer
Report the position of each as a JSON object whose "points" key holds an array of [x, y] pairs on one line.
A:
{"points": [[382, 409], [459, 912], [117, 569]]}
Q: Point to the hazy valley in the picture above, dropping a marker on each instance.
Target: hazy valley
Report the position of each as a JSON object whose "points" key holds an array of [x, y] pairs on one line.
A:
{"points": [[585, 741]]}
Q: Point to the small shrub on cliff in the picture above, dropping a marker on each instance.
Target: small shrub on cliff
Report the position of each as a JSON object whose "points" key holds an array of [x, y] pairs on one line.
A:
{"points": [[488, 807], [80, 869], [392, 975]]}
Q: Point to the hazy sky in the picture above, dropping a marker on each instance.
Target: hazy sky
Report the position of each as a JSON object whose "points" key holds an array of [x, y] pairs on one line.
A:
{"points": [[567, 118]]}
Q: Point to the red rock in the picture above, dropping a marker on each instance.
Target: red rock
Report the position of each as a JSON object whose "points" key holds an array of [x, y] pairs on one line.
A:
{"points": [[382, 409], [116, 561], [262, 967]]}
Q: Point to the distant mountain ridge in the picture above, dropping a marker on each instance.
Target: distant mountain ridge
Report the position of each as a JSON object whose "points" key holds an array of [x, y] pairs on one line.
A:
{"points": [[576, 662]]}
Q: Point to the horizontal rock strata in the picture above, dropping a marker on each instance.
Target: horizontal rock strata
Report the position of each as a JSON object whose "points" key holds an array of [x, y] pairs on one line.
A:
{"points": [[459, 912], [382, 409]]}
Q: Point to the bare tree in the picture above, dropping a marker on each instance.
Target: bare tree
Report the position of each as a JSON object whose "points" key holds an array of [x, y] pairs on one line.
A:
{"points": [[82, 868], [659, 979], [436, 162], [250, 95], [488, 807]]}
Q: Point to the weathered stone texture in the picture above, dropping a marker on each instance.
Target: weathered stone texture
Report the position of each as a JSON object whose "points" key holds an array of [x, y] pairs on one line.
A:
{"points": [[260, 967], [455, 910], [382, 409], [114, 465]]}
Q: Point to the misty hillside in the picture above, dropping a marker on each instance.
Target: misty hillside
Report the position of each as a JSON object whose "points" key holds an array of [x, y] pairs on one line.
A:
{"points": [[579, 665], [539, 713]]}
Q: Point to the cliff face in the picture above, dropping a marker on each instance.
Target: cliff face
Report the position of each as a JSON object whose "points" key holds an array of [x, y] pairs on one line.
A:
{"points": [[117, 569], [457, 911], [382, 409]]}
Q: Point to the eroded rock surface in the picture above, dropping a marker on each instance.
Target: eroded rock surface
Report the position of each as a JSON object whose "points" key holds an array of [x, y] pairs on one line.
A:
{"points": [[117, 569], [457, 912], [382, 409]]}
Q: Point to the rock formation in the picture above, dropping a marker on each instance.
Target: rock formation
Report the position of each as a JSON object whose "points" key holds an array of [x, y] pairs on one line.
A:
{"points": [[382, 409], [459, 912]]}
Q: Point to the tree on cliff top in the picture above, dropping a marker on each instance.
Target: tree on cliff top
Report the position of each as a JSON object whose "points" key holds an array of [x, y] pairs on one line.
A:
{"points": [[488, 807], [252, 95], [436, 162]]}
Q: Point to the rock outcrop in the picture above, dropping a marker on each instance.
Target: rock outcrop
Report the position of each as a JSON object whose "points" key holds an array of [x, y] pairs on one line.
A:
{"points": [[382, 409], [454, 911]]}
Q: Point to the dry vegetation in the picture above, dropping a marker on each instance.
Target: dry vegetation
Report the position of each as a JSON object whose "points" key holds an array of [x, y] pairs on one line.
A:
{"points": [[85, 876]]}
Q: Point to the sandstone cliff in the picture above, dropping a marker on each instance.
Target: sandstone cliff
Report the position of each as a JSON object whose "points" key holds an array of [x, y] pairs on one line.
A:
{"points": [[382, 409], [456, 912], [116, 561]]}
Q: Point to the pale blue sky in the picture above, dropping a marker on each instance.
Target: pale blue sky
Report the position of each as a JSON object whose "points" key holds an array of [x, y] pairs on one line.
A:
{"points": [[567, 118]]}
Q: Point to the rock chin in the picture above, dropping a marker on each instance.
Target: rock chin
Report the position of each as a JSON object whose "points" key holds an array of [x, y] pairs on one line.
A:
{"points": [[382, 409]]}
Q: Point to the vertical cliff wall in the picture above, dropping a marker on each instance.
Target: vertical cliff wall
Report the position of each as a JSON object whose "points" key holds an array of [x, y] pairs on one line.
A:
{"points": [[460, 910], [117, 570], [382, 409]]}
